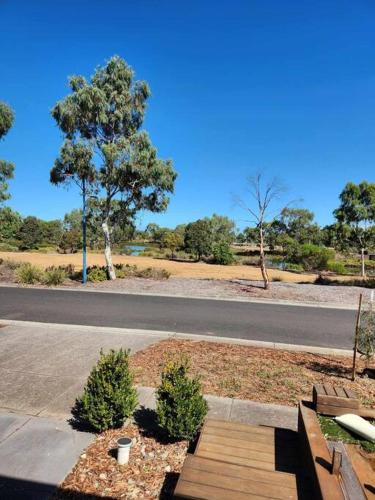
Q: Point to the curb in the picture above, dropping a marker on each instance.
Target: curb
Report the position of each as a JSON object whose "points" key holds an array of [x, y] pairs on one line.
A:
{"points": [[162, 334]]}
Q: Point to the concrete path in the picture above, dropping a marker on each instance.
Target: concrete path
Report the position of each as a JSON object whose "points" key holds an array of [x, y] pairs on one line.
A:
{"points": [[35, 455], [44, 369]]}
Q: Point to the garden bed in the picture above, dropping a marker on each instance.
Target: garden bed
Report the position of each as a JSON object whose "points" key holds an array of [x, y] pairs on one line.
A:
{"points": [[152, 471], [265, 375]]}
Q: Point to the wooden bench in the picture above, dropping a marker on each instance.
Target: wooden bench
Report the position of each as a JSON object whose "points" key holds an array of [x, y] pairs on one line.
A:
{"points": [[333, 400], [236, 461]]}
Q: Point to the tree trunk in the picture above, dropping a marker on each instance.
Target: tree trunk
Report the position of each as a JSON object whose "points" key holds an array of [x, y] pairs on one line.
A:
{"points": [[363, 271], [107, 252], [262, 257]]}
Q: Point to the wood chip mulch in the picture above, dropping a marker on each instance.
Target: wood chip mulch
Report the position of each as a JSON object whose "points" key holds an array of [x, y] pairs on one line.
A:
{"points": [[152, 471], [265, 375]]}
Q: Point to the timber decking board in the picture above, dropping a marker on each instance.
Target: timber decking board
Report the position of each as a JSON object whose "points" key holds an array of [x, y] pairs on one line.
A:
{"points": [[329, 390], [329, 485], [236, 426], [281, 478], [249, 485], [363, 471]]}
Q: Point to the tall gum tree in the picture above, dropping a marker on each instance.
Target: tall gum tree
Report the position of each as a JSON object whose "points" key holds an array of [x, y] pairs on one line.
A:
{"points": [[104, 117], [6, 168]]}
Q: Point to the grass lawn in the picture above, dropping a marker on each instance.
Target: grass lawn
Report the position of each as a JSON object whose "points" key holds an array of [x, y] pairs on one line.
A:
{"points": [[334, 432], [266, 375]]}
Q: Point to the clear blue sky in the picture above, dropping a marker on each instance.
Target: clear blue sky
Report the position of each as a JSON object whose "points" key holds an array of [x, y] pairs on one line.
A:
{"points": [[237, 86]]}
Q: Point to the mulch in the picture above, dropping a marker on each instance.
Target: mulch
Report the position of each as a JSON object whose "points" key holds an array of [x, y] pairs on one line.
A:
{"points": [[152, 471], [265, 375]]}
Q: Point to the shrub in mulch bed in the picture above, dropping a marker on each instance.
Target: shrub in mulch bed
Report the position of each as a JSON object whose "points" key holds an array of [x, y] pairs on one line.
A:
{"points": [[266, 375], [152, 471]]}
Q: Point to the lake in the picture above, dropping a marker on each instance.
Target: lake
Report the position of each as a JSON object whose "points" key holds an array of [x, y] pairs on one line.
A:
{"points": [[134, 249]]}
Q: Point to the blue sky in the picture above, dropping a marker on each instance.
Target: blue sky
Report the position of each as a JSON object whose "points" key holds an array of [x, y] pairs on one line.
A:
{"points": [[237, 86]]}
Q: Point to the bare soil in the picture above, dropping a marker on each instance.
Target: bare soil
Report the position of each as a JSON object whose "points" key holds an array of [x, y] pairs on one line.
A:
{"points": [[265, 375]]}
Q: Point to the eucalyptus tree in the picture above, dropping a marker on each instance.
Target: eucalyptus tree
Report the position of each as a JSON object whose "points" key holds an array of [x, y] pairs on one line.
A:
{"points": [[6, 168], [357, 212], [107, 148]]}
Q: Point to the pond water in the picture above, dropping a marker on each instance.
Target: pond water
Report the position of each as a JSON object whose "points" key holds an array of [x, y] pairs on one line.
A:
{"points": [[134, 249]]}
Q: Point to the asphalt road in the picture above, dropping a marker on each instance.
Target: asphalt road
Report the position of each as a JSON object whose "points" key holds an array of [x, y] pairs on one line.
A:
{"points": [[268, 322]]}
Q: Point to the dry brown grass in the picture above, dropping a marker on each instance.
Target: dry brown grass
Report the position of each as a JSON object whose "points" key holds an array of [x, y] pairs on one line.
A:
{"points": [[266, 375], [178, 269]]}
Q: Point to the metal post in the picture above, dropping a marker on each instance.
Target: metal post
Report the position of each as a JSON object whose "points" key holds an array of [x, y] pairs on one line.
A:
{"points": [[84, 267]]}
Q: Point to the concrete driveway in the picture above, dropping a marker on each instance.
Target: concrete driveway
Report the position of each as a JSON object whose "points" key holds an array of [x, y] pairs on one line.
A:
{"points": [[44, 368]]}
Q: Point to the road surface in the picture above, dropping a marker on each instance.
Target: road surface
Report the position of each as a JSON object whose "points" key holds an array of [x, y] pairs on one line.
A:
{"points": [[245, 320]]}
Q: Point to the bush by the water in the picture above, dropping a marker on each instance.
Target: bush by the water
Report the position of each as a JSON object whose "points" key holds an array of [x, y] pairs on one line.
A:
{"points": [[222, 254], [336, 267], [181, 407], [28, 274], [109, 397], [311, 257]]}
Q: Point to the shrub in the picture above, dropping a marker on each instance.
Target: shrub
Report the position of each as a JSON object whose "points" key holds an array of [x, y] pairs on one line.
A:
{"points": [[54, 275], [311, 257], [289, 266], [154, 273], [29, 274], [11, 264], [222, 254], [109, 397], [96, 274], [336, 267], [7, 247], [181, 407]]}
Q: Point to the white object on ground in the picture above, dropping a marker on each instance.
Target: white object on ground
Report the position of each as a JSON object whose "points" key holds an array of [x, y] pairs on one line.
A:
{"points": [[358, 425], [123, 450]]}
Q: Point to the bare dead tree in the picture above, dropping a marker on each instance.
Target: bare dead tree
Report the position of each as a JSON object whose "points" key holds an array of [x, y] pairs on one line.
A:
{"points": [[263, 194]]}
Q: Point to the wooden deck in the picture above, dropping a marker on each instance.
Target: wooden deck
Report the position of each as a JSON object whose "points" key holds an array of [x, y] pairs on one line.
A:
{"points": [[235, 461]]}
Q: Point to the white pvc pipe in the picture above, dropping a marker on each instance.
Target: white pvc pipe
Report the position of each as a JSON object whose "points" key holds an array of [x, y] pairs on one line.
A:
{"points": [[123, 450]]}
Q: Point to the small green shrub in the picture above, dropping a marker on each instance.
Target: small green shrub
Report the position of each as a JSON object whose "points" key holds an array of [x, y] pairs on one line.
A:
{"points": [[96, 274], [336, 267], [223, 254], [7, 247], [29, 274], [54, 276], [289, 266], [181, 407], [109, 397]]}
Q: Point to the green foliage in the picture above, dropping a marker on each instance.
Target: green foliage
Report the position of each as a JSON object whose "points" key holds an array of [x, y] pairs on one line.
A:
{"points": [[172, 240], [96, 274], [29, 274], [109, 397], [54, 276], [30, 233], [366, 334], [153, 273], [181, 407], [337, 267], [6, 168], [70, 241], [198, 238], [311, 257], [222, 229], [10, 223], [334, 432], [289, 266], [222, 254], [102, 118]]}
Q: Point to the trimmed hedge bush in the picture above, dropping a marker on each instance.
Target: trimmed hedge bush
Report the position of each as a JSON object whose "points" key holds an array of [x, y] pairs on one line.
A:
{"points": [[96, 274], [180, 407], [109, 397]]}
